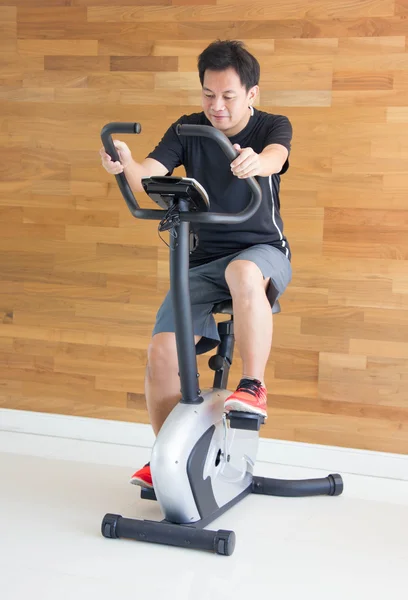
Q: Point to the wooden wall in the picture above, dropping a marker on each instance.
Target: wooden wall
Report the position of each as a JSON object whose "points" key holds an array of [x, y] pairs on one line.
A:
{"points": [[81, 280]]}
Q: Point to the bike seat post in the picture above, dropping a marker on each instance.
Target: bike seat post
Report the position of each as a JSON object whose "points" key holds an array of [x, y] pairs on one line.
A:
{"points": [[222, 361]]}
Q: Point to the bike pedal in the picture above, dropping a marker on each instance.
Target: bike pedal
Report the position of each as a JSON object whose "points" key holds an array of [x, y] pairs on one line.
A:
{"points": [[243, 420]]}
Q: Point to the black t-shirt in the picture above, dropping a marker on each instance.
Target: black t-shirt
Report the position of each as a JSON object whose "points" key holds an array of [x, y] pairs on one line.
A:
{"points": [[204, 161]]}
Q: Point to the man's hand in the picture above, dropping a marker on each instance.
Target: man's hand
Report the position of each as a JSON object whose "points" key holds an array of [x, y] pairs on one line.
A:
{"points": [[125, 158], [247, 164]]}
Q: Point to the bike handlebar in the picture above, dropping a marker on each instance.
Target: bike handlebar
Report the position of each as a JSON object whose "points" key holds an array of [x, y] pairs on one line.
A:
{"points": [[195, 217]]}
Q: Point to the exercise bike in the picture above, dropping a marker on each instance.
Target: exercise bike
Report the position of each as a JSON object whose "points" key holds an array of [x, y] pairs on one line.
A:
{"points": [[203, 458]]}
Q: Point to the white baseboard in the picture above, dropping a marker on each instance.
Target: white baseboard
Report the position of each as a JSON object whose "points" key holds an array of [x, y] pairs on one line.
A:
{"points": [[111, 442]]}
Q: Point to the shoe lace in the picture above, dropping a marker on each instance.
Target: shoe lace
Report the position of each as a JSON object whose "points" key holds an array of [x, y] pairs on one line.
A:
{"points": [[251, 386]]}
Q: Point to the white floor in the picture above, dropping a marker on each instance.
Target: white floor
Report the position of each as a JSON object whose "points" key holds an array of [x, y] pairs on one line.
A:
{"points": [[354, 546]]}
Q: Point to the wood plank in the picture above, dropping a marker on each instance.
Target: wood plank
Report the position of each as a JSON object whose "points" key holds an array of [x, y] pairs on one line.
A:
{"points": [[143, 63], [92, 31], [368, 165], [51, 14], [342, 406], [11, 63], [51, 79], [373, 63], [76, 63], [141, 80], [360, 46], [23, 3], [88, 3], [144, 233], [8, 39], [20, 94], [363, 80], [72, 47], [355, 328], [82, 97], [59, 216], [376, 250], [8, 13], [369, 97], [395, 182], [308, 46], [381, 294], [58, 396], [397, 114], [294, 98], [124, 46], [11, 214], [75, 332], [377, 348], [330, 9], [350, 221], [27, 231], [393, 200], [189, 100], [401, 7], [194, 2], [296, 364]]}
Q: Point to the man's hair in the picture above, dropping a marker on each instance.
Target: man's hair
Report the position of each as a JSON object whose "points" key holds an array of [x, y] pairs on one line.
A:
{"points": [[222, 55]]}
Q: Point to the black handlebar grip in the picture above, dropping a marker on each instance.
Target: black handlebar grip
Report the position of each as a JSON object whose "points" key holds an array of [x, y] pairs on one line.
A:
{"points": [[112, 128], [106, 136]]}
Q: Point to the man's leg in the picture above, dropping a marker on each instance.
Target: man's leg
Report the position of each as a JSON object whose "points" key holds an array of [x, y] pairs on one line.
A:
{"points": [[162, 382], [252, 316], [253, 334], [162, 389]]}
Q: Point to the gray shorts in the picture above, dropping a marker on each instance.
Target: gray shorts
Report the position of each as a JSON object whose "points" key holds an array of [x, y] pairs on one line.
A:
{"points": [[208, 287]]}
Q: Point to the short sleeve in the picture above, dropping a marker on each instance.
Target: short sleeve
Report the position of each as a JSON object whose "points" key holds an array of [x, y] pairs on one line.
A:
{"points": [[169, 151], [280, 132]]}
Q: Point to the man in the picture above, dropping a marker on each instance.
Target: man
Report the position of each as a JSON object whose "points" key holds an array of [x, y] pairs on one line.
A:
{"points": [[238, 260]]}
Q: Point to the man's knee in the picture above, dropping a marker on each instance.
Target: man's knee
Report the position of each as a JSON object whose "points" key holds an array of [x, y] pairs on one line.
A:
{"points": [[244, 275], [162, 355]]}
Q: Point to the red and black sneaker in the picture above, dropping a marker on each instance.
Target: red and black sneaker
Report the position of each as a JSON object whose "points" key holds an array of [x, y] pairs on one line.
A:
{"points": [[250, 396], [143, 477]]}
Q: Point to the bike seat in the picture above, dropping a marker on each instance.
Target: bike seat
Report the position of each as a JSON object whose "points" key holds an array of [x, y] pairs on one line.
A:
{"points": [[224, 308]]}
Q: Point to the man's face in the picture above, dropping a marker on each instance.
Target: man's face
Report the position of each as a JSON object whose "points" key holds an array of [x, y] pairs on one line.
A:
{"points": [[225, 100]]}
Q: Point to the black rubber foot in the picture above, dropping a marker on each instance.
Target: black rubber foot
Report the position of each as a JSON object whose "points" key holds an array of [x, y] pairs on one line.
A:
{"points": [[225, 542], [109, 524], [337, 484]]}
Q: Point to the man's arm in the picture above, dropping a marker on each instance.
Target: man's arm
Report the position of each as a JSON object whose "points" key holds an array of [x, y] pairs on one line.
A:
{"points": [[148, 168], [269, 161], [133, 170], [273, 157]]}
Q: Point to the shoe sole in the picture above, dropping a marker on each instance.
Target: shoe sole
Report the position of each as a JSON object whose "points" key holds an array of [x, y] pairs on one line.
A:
{"points": [[243, 407], [143, 484]]}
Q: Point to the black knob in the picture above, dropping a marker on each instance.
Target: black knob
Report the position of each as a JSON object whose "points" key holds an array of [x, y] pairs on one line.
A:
{"points": [[216, 362], [224, 542], [337, 485], [109, 524]]}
